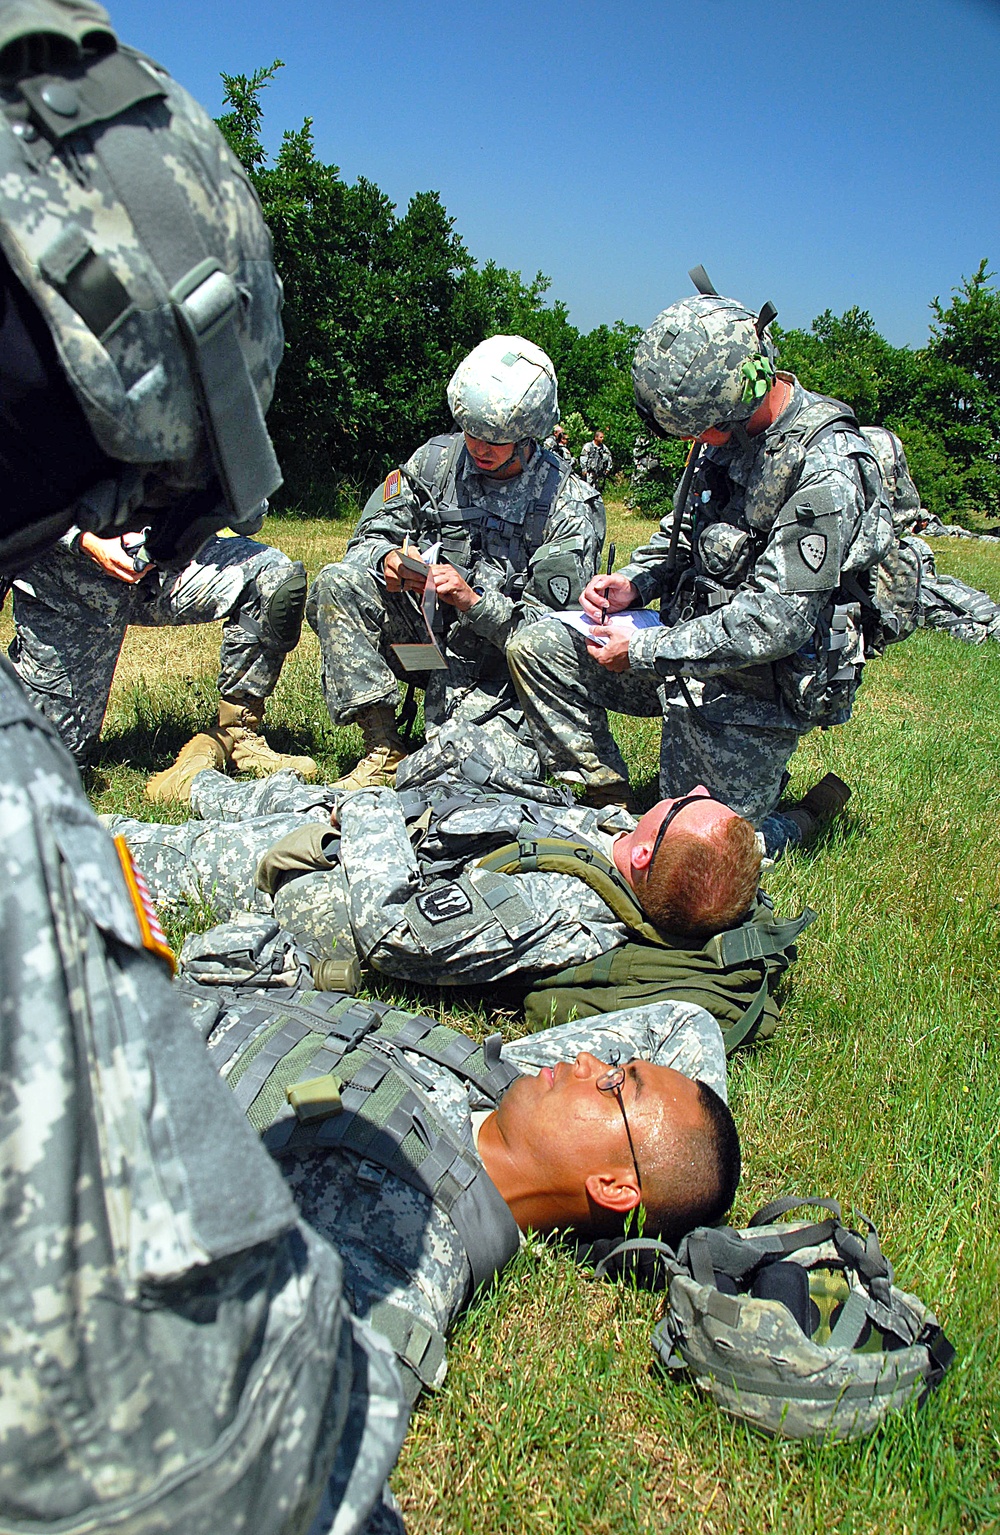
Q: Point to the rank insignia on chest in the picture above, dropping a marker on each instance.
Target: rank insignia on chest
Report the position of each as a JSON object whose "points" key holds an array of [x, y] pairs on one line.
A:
{"points": [[393, 485], [153, 937], [812, 550]]}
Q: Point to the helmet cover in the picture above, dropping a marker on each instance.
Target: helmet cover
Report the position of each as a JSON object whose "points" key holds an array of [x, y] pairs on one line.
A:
{"points": [[701, 364], [505, 391]]}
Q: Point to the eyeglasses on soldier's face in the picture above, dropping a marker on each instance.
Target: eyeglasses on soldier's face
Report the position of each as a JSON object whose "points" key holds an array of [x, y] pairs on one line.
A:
{"points": [[612, 1081]]}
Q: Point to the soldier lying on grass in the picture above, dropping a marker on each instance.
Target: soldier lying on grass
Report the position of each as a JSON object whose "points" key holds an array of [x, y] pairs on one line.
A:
{"points": [[424, 1157]]}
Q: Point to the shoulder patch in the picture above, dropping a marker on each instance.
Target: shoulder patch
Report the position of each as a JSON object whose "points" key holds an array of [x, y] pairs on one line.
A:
{"points": [[393, 485], [153, 937], [444, 904]]}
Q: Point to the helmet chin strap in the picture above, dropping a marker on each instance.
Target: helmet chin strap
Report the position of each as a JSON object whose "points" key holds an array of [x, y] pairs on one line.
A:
{"points": [[519, 451]]}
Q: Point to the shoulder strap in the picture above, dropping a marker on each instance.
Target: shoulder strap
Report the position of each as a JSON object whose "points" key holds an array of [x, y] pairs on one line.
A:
{"points": [[559, 472], [438, 478], [820, 418], [206, 305], [559, 855]]}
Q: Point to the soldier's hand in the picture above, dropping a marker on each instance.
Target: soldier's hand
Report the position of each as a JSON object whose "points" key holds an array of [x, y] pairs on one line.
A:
{"points": [[399, 579], [607, 594], [613, 653], [453, 588], [109, 554]]}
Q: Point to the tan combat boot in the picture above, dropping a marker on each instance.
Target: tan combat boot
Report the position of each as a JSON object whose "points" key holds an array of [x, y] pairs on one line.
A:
{"points": [[384, 751], [239, 730], [173, 785]]}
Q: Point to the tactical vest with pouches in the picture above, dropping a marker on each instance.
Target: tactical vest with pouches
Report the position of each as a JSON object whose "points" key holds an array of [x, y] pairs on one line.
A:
{"points": [[887, 592], [882, 600], [794, 1326], [467, 532], [732, 975], [138, 236], [320, 1071]]}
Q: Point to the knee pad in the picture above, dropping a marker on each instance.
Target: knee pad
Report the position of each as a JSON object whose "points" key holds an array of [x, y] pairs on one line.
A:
{"points": [[281, 616]]}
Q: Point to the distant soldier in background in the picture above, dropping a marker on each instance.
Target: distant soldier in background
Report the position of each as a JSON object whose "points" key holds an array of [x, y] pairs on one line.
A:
{"points": [[519, 536], [558, 442], [945, 602], [596, 462]]}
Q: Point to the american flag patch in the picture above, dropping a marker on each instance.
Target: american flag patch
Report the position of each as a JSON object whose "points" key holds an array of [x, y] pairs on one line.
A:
{"points": [[393, 485], [153, 937]]}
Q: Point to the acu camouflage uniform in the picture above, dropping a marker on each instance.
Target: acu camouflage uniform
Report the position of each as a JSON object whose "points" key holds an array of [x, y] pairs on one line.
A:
{"points": [[371, 890], [175, 1354], [527, 544], [596, 463], [70, 619], [759, 640], [406, 1269], [945, 602]]}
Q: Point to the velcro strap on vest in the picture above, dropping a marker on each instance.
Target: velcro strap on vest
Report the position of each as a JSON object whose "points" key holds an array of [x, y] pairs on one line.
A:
{"points": [[421, 1348]]}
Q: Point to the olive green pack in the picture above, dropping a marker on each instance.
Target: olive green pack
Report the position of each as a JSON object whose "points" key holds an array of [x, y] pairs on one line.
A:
{"points": [[732, 975]]}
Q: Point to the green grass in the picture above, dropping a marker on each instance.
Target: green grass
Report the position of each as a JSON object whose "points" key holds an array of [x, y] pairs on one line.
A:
{"points": [[880, 1087]]}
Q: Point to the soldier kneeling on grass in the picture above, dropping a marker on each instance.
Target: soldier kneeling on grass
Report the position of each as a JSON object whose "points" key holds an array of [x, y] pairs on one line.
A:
{"points": [[517, 536]]}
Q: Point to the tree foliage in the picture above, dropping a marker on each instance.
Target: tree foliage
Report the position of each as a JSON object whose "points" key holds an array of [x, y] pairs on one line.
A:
{"points": [[380, 307]]}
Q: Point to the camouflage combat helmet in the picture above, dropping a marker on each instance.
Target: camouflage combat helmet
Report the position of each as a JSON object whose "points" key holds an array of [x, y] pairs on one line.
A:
{"points": [[136, 233], [505, 391], [796, 1326], [706, 361]]}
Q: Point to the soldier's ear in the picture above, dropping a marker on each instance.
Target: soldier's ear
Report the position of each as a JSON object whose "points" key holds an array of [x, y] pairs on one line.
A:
{"points": [[618, 1190], [641, 855]]}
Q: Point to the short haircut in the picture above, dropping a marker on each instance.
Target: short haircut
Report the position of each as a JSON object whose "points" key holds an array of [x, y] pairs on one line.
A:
{"points": [[698, 885], [688, 1180]]}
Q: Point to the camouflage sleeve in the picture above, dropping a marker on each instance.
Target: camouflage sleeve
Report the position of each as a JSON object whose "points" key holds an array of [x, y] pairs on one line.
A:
{"points": [[676, 1034], [775, 610], [390, 512], [474, 929], [559, 568]]}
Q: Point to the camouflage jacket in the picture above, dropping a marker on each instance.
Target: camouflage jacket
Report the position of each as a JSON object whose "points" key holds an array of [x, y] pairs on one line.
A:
{"points": [[401, 1252], [153, 1314], [522, 563], [596, 460], [768, 534], [476, 927]]}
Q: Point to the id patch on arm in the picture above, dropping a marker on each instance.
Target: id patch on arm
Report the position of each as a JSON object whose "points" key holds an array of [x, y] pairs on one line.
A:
{"points": [[393, 485], [809, 541], [446, 914]]}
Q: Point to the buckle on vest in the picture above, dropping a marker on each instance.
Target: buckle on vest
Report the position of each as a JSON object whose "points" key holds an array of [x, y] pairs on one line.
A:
{"points": [[205, 299]]}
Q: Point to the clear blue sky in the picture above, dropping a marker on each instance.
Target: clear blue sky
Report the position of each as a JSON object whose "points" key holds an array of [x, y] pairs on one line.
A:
{"points": [[816, 153]]}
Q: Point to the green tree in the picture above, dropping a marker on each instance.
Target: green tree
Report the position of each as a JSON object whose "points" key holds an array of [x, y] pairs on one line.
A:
{"points": [[958, 397]]}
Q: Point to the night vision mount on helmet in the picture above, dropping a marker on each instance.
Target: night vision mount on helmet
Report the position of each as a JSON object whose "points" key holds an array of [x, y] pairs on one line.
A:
{"points": [[705, 362], [138, 237]]}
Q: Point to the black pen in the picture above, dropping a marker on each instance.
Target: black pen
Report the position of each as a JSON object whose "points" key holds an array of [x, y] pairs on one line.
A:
{"points": [[611, 561]]}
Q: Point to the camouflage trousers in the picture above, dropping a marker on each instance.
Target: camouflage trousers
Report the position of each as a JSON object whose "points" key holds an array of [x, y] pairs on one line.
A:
{"points": [[736, 745], [213, 860], [358, 622], [176, 1352], [70, 620]]}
